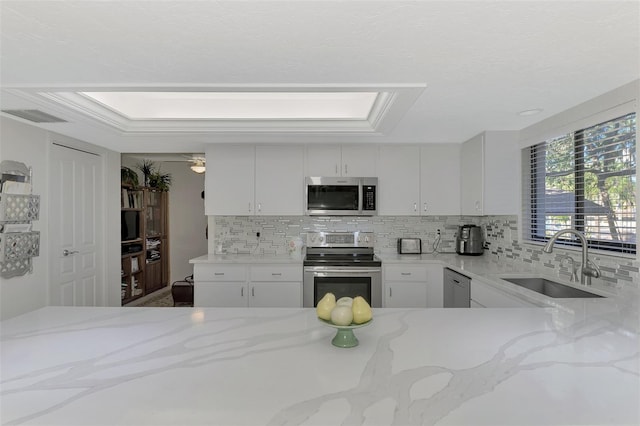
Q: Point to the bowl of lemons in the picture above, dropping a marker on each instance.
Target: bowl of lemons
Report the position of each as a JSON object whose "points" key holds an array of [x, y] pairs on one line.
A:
{"points": [[345, 315]]}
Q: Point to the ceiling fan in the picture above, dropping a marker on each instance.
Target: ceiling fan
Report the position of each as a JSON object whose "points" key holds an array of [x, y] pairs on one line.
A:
{"points": [[198, 163]]}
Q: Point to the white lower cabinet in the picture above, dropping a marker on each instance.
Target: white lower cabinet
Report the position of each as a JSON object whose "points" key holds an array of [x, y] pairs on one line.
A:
{"points": [[219, 294], [413, 286], [486, 296], [247, 286], [272, 286], [406, 295], [275, 295]]}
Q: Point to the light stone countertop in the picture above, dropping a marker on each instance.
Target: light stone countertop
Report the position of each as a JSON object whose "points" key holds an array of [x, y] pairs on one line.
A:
{"points": [[244, 258], [257, 366]]}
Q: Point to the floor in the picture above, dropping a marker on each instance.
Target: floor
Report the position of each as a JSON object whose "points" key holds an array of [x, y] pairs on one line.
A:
{"points": [[160, 298]]}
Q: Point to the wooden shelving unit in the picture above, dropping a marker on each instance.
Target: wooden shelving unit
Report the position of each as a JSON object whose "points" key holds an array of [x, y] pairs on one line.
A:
{"points": [[145, 249], [156, 240]]}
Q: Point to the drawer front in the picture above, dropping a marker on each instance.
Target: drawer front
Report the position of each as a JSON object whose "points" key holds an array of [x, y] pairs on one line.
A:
{"points": [[219, 273], [276, 273], [405, 273]]}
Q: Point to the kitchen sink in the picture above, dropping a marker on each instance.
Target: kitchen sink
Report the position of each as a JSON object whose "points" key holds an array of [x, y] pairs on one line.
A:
{"points": [[550, 288]]}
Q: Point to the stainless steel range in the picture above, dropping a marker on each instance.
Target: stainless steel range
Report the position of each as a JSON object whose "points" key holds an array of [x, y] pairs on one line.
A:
{"points": [[342, 263]]}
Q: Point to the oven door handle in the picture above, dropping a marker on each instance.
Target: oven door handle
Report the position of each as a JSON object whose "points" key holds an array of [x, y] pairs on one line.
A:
{"points": [[343, 271]]}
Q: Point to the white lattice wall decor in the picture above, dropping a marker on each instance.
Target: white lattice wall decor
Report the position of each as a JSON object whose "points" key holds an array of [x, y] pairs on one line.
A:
{"points": [[18, 207]]}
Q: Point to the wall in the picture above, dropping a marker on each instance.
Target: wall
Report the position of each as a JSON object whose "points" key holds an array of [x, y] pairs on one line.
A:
{"points": [[187, 221], [31, 145], [618, 272]]}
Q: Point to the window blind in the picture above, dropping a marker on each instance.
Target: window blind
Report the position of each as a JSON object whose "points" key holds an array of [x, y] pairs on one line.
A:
{"points": [[585, 180]]}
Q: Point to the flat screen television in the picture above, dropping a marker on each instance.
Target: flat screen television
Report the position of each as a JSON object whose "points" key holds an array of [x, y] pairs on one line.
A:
{"points": [[130, 225]]}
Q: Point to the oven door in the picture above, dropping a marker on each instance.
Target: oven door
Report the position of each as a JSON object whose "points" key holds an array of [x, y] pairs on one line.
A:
{"points": [[342, 281]]}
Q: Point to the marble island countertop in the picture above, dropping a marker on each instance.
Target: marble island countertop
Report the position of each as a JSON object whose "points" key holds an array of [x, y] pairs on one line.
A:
{"points": [[212, 366]]}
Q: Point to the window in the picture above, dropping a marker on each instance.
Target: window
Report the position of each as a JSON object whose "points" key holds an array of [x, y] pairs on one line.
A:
{"points": [[585, 180]]}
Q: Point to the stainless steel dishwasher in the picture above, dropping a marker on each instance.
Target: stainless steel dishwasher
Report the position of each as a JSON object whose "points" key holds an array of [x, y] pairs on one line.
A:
{"points": [[457, 289]]}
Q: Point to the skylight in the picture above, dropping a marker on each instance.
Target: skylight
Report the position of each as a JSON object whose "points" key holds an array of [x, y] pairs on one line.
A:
{"points": [[238, 105]]}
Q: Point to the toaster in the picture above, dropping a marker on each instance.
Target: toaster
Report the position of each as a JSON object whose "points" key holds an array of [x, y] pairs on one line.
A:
{"points": [[409, 245]]}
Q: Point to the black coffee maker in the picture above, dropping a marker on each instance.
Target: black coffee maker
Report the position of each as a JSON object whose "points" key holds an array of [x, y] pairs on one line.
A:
{"points": [[470, 240]]}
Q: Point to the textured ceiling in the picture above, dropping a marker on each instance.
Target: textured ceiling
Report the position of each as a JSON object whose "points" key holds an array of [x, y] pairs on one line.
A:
{"points": [[481, 61]]}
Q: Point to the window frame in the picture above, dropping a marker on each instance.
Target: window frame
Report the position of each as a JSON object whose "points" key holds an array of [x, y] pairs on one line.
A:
{"points": [[536, 229]]}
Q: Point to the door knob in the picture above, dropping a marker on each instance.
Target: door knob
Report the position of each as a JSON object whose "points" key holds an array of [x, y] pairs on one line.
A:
{"points": [[66, 252]]}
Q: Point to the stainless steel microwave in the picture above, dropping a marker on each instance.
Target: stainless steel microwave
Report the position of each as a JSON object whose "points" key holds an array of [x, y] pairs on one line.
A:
{"points": [[341, 196]]}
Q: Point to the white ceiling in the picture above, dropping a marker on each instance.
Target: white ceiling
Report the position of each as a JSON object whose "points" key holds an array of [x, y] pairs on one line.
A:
{"points": [[479, 62]]}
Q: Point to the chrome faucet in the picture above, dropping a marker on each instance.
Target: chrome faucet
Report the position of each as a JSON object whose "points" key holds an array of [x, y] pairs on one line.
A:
{"points": [[574, 267], [587, 271]]}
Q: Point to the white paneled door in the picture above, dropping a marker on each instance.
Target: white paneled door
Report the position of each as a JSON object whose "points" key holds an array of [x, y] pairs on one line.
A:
{"points": [[75, 228]]}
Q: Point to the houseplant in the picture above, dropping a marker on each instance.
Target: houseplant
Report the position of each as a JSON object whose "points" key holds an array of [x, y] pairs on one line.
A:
{"points": [[160, 181], [153, 178], [128, 176], [147, 167]]}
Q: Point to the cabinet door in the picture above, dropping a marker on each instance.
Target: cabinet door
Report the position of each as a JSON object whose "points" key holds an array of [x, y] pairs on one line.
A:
{"points": [[153, 276], [323, 160], [359, 160], [229, 181], [472, 176], [405, 295], [440, 179], [265, 294], [279, 180], [399, 180], [501, 173], [220, 294]]}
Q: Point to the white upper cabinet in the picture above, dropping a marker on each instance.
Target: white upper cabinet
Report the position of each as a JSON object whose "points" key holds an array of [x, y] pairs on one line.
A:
{"points": [[345, 160], [359, 160], [229, 180], [490, 174], [419, 180], [323, 160], [244, 180], [440, 179], [502, 174], [399, 180], [472, 176], [279, 180]]}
